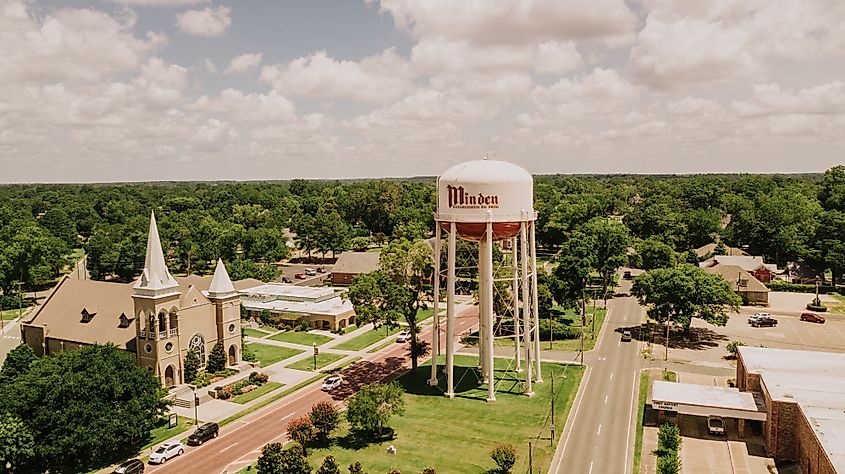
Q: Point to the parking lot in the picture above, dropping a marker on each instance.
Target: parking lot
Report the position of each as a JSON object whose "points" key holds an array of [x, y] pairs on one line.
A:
{"points": [[290, 270], [790, 333]]}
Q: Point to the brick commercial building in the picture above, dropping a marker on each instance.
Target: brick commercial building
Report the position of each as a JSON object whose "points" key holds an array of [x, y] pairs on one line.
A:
{"points": [[804, 397], [351, 264]]}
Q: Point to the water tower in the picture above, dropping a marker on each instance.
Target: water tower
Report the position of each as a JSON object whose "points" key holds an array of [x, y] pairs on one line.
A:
{"points": [[491, 203]]}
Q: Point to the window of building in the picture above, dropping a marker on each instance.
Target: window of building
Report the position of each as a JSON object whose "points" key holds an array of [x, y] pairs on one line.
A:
{"points": [[197, 345]]}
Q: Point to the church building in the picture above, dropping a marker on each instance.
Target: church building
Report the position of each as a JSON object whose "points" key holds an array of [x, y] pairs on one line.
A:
{"points": [[159, 318]]}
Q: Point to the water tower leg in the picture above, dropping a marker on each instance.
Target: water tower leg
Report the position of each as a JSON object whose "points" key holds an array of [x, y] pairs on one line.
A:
{"points": [[482, 311], [515, 271], [526, 311], [450, 314], [488, 313], [435, 332], [538, 374]]}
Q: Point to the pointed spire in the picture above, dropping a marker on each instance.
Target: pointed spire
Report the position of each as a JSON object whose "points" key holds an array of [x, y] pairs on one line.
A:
{"points": [[221, 284], [155, 276]]}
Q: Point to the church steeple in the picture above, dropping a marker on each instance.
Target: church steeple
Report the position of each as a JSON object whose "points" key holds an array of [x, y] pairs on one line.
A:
{"points": [[155, 279], [221, 285]]}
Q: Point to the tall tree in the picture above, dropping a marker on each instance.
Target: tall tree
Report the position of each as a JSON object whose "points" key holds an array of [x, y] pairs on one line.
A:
{"points": [[370, 409], [656, 254], [17, 446], [85, 406], [575, 261], [217, 358], [302, 431], [681, 293], [192, 365], [275, 459], [610, 239], [325, 417], [832, 192], [18, 361]]}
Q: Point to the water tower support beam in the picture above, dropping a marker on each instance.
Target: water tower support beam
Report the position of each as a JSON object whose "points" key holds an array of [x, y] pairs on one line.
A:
{"points": [[538, 375], [526, 312], [515, 271], [435, 335], [482, 310], [450, 313], [488, 317]]}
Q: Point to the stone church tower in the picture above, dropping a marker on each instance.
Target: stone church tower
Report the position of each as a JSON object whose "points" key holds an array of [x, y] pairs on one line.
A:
{"points": [[173, 318]]}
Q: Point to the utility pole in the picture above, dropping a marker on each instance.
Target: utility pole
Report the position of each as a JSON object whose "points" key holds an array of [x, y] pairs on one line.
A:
{"points": [[316, 351], [552, 439], [530, 459], [668, 324]]}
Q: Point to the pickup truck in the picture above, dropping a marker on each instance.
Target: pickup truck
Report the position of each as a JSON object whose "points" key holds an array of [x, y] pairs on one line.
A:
{"points": [[764, 321]]}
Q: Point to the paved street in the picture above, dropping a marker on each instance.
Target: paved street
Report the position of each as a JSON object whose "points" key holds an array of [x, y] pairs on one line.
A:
{"points": [[240, 443], [599, 435]]}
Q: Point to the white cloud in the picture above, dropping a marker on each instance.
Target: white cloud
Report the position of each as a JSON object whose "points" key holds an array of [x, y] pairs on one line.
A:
{"points": [[374, 79], [513, 21], [206, 22], [270, 107], [440, 56], [159, 3], [210, 66], [244, 63]]}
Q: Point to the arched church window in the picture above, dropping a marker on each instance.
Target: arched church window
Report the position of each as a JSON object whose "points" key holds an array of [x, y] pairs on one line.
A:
{"points": [[197, 345]]}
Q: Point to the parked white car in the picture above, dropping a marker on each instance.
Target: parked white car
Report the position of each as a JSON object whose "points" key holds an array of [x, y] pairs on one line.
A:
{"points": [[404, 335], [331, 383], [757, 316], [166, 452], [310, 272]]}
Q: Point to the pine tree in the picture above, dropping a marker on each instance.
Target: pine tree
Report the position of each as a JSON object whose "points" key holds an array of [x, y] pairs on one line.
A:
{"points": [[192, 364], [329, 466], [217, 358]]}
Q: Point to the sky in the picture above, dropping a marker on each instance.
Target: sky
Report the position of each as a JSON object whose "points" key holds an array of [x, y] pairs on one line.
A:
{"points": [[147, 90]]}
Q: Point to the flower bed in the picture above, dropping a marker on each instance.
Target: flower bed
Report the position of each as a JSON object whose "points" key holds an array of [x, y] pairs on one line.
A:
{"points": [[204, 379], [240, 387]]}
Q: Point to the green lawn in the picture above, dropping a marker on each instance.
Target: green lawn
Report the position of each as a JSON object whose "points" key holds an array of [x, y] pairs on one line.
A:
{"points": [[11, 314], [424, 314], [456, 435], [162, 433], [571, 344], [267, 354], [638, 441], [323, 360], [367, 339], [255, 332], [301, 337], [381, 346], [262, 390]]}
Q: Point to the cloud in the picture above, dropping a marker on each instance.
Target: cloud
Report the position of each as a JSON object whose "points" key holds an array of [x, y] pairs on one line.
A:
{"points": [[264, 108], [441, 56], [159, 3], [244, 63], [206, 22], [513, 21], [373, 79], [210, 66]]}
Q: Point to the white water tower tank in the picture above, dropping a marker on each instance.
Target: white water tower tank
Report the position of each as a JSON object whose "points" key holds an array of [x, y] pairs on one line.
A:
{"points": [[473, 193]]}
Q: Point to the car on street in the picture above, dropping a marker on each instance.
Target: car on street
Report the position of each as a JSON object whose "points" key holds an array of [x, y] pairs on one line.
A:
{"points": [[764, 321], [132, 466], [626, 336], [756, 316], [166, 452], [321, 270], [310, 272], [812, 317], [203, 433], [331, 383], [404, 335], [715, 425], [300, 276], [286, 280], [627, 275]]}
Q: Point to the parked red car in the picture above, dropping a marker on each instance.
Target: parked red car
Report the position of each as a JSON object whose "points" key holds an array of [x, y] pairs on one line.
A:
{"points": [[300, 276], [812, 317]]}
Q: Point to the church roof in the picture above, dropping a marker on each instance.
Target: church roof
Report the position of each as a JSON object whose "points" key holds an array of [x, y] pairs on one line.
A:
{"points": [[155, 277], [221, 285]]}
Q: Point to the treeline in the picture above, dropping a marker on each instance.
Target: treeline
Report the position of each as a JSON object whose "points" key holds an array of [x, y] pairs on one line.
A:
{"points": [[784, 218]]}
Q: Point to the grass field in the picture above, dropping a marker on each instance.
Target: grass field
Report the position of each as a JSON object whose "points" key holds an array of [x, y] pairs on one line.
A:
{"points": [[367, 339], [11, 314], [255, 332], [424, 314], [267, 354], [157, 435], [638, 441], [456, 435], [571, 344], [301, 337], [262, 390], [323, 360]]}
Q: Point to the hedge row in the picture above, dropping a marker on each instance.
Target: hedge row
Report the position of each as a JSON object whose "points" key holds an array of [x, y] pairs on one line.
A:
{"points": [[800, 288]]}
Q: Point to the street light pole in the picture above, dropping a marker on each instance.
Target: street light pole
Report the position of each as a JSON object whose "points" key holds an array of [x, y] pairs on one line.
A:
{"points": [[668, 324], [315, 356], [196, 407]]}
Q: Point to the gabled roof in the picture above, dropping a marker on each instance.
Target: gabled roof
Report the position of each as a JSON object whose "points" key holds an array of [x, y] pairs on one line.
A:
{"points": [[155, 278], [710, 248], [356, 262], [734, 274], [747, 263]]}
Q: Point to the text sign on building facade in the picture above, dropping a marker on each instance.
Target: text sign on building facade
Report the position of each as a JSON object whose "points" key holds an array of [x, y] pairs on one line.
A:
{"points": [[666, 406]]}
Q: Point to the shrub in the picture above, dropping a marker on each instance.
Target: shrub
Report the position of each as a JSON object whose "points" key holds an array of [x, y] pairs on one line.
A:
{"points": [[302, 431], [668, 439], [370, 409], [329, 466], [192, 363], [428, 470], [217, 358], [818, 308], [258, 378], [504, 455], [356, 468], [733, 348], [799, 288], [325, 417], [668, 464]]}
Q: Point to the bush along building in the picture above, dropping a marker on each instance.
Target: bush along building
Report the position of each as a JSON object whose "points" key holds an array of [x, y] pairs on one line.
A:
{"points": [[158, 317]]}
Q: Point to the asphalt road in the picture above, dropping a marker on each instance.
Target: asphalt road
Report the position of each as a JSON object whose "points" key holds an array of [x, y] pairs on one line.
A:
{"points": [[240, 443], [600, 434]]}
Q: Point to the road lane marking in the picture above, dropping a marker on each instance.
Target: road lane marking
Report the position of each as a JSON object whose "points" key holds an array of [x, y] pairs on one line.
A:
{"points": [[619, 343], [227, 447], [599, 431], [611, 376], [634, 398], [591, 467], [573, 414], [605, 399]]}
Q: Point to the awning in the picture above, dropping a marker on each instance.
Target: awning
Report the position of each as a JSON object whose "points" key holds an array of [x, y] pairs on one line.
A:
{"points": [[704, 400]]}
